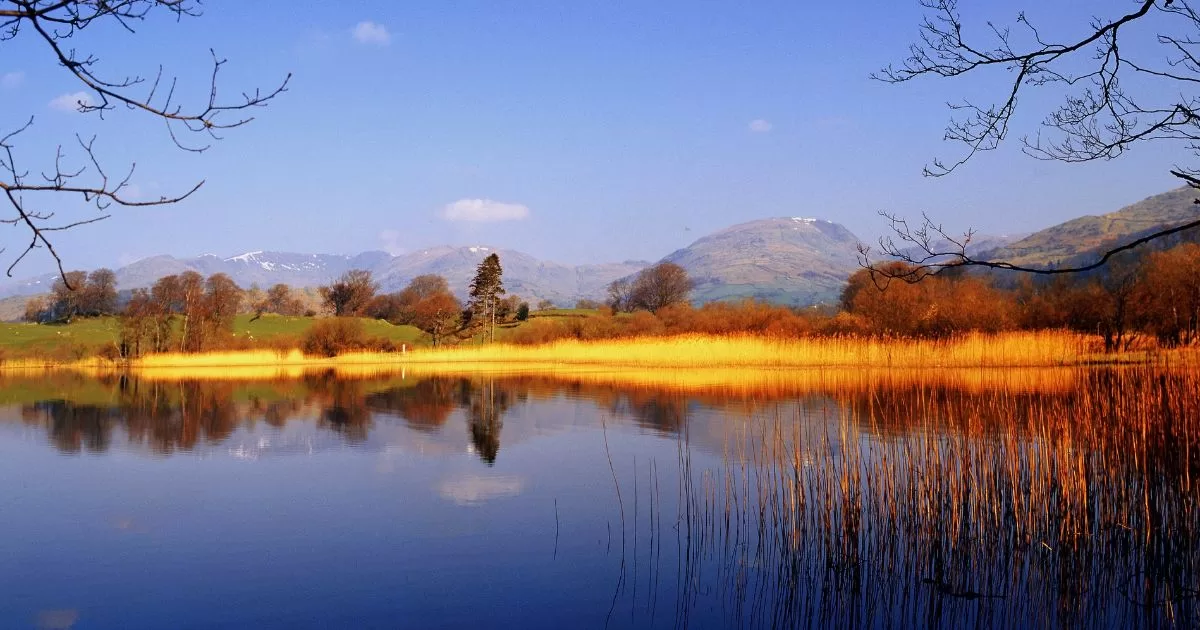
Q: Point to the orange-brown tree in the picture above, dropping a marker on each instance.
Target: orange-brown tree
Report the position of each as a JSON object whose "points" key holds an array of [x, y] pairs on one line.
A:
{"points": [[428, 304], [935, 306], [1167, 296]]}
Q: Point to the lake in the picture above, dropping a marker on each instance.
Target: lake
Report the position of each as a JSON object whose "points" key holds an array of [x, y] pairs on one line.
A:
{"points": [[601, 499]]}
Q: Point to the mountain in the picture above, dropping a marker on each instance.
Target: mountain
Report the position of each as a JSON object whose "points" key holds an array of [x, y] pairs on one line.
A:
{"points": [[524, 275], [1082, 239], [792, 260], [12, 308]]}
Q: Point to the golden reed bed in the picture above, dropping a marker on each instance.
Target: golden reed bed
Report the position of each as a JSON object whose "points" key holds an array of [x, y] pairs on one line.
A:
{"points": [[684, 352], [739, 365]]}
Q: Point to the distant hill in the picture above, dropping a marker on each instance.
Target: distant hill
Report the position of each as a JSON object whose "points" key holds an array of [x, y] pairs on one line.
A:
{"points": [[792, 260], [524, 275], [1082, 239], [13, 308]]}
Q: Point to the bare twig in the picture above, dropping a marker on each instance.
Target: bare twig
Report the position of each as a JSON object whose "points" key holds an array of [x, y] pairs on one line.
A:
{"points": [[56, 22], [1099, 120]]}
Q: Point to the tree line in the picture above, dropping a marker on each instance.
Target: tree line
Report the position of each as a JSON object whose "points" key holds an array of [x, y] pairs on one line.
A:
{"points": [[1155, 294], [1152, 295], [76, 294], [180, 313]]}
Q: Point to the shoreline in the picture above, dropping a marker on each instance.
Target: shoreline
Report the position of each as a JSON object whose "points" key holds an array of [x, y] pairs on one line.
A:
{"points": [[683, 352]]}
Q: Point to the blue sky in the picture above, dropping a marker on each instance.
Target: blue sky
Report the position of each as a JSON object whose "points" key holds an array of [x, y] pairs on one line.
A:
{"points": [[599, 130]]}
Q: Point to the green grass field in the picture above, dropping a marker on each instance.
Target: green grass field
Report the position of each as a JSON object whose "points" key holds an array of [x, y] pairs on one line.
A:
{"points": [[87, 337], [81, 338]]}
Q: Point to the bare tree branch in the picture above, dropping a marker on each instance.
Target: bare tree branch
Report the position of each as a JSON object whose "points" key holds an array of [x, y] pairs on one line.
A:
{"points": [[55, 23], [931, 250], [1099, 120]]}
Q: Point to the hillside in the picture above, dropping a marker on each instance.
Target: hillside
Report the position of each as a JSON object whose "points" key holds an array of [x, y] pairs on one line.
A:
{"points": [[796, 261], [1076, 239], [524, 275]]}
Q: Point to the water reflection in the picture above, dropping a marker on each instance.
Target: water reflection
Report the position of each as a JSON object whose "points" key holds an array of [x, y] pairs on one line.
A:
{"points": [[1062, 499], [425, 406]]}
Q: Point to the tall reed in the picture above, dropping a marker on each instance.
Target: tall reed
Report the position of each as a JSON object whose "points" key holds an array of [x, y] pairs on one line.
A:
{"points": [[922, 506]]}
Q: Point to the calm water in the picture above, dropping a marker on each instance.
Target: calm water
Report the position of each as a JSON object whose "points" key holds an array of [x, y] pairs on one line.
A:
{"points": [[778, 500]]}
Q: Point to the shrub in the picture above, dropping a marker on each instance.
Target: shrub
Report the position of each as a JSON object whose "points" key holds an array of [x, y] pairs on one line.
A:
{"points": [[333, 335], [846, 324], [539, 331], [643, 324], [110, 352]]}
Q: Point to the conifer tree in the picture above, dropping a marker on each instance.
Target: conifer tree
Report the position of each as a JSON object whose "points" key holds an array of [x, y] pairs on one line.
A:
{"points": [[486, 289]]}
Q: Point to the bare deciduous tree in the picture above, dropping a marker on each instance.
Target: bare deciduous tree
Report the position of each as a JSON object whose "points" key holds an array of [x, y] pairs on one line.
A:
{"points": [[34, 194], [1127, 79], [280, 300], [660, 286], [206, 308], [100, 293], [350, 294], [619, 292]]}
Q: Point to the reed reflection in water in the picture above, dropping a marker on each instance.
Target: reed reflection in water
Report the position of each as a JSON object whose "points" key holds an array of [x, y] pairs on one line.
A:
{"points": [[1057, 498]]}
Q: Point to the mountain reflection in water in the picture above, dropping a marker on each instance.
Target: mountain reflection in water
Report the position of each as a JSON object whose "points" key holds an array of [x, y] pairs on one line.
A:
{"points": [[1053, 497]]}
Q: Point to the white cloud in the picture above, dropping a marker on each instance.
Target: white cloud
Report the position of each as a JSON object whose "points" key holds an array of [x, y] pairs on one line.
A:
{"points": [[70, 102], [372, 33], [759, 125], [391, 242], [484, 210], [474, 489], [10, 80]]}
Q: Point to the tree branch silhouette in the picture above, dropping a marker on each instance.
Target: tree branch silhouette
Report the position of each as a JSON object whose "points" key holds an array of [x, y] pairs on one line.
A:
{"points": [[1098, 118], [55, 24]]}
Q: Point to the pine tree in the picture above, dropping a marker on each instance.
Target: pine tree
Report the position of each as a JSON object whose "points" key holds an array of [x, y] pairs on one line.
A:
{"points": [[486, 289]]}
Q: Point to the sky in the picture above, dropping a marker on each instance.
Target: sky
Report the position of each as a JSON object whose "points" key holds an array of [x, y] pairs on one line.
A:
{"points": [[589, 131]]}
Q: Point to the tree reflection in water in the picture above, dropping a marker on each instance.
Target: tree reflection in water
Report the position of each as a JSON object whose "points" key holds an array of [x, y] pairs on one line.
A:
{"points": [[343, 405], [486, 405], [424, 406], [73, 428], [917, 503]]}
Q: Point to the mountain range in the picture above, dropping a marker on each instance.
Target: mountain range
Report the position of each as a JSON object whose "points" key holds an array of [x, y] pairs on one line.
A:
{"points": [[797, 261], [791, 260], [524, 275]]}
